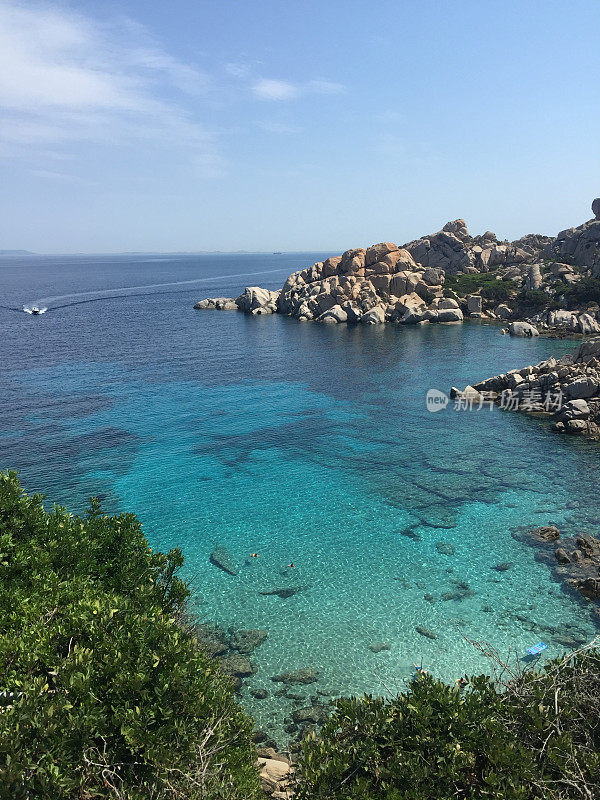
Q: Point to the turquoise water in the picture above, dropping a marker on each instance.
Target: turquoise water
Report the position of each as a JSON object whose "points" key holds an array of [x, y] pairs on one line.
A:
{"points": [[313, 445]]}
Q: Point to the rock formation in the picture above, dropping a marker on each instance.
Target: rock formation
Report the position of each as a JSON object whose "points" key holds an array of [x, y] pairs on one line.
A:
{"points": [[569, 389], [409, 284]]}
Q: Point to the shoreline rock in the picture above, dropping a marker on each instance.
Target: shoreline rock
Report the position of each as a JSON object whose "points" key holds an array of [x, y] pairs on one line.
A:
{"points": [[574, 560], [567, 389], [412, 284]]}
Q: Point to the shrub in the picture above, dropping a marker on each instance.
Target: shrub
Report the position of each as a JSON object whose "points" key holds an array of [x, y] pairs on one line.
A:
{"points": [[498, 292], [481, 281], [587, 290], [536, 737], [533, 299], [106, 694]]}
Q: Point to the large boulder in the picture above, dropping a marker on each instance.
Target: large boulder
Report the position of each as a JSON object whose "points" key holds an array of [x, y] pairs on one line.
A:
{"points": [[256, 300], [376, 316], [563, 319], [409, 309], [582, 388], [533, 280], [474, 303], [587, 351], [587, 324], [377, 251], [503, 311], [573, 409], [334, 314], [522, 329], [275, 776], [449, 315], [596, 208], [447, 303]]}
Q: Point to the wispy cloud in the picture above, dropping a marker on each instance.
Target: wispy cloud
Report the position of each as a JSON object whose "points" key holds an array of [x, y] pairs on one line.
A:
{"points": [[275, 89], [325, 87], [277, 127], [66, 78], [271, 89]]}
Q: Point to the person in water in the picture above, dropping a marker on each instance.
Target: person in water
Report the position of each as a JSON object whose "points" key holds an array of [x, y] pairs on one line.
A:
{"points": [[292, 565], [255, 555]]}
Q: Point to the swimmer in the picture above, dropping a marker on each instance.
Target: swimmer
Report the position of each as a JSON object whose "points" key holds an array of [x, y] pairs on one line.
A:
{"points": [[255, 555], [292, 565]]}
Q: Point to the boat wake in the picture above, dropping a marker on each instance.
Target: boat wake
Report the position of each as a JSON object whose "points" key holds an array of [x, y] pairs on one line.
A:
{"points": [[53, 303], [35, 309]]}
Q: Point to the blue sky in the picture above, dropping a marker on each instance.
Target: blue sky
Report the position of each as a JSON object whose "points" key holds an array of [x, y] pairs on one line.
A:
{"points": [[264, 125]]}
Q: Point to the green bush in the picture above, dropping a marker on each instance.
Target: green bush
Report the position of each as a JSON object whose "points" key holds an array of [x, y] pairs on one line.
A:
{"points": [[498, 292], [533, 299], [106, 694], [481, 281], [587, 290], [537, 737]]}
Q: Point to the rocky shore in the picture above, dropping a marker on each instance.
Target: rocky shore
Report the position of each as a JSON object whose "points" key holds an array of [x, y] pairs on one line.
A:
{"points": [[446, 277], [567, 389], [575, 561]]}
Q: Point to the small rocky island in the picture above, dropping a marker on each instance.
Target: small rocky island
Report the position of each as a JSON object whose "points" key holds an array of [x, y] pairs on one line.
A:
{"points": [[536, 283]]}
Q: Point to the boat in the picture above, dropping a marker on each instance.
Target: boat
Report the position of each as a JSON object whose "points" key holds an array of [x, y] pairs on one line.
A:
{"points": [[33, 310]]}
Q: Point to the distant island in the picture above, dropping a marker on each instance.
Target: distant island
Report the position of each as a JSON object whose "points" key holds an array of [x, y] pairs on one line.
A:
{"points": [[17, 253]]}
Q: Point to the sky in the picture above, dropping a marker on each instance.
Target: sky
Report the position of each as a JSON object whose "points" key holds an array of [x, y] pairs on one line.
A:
{"points": [[187, 125]]}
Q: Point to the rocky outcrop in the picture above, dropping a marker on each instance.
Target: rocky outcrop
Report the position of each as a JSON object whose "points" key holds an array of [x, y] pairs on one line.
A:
{"points": [[579, 245], [522, 329], [574, 560], [255, 300], [568, 389], [387, 283], [216, 303], [275, 777]]}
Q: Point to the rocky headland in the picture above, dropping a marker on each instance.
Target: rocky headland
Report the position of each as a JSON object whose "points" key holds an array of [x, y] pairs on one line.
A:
{"points": [[567, 389], [537, 284]]}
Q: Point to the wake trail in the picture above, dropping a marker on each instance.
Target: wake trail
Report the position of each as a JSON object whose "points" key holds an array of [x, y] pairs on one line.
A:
{"points": [[93, 296]]}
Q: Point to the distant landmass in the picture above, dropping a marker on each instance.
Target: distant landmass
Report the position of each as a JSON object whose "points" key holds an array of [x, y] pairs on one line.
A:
{"points": [[16, 253]]}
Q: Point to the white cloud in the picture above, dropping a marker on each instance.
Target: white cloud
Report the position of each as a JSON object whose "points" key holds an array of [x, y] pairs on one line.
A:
{"points": [[273, 89], [65, 78], [326, 87], [277, 127]]}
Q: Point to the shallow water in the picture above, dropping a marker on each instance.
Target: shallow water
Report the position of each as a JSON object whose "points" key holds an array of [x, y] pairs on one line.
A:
{"points": [[304, 443]]}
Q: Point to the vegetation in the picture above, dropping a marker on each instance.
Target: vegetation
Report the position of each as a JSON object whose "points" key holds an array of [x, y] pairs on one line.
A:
{"points": [[587, 290], [484, 281], [534, 300], [535, 736], [104, 692]]}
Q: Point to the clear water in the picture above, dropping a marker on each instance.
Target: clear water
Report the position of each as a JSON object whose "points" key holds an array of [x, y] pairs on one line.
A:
{"points": [[304, 443]]}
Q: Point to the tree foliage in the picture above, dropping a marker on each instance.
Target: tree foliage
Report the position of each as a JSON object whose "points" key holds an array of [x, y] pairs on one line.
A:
{"points": [[104, 693], [538, 736]]}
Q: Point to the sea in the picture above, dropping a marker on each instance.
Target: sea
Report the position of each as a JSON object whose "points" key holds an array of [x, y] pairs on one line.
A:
{"points": [[306, 444]]}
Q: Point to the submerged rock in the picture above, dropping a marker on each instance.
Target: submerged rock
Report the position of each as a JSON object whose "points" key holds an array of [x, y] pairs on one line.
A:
{"points": [[446, 548], [284, 592], [315, 714], [377, 647], [305, 675], [239, 666], [246, 641], [222, 558], [425, 632]]}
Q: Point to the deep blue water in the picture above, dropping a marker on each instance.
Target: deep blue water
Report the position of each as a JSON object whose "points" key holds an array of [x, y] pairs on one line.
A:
{"points": [[305, 443]]}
